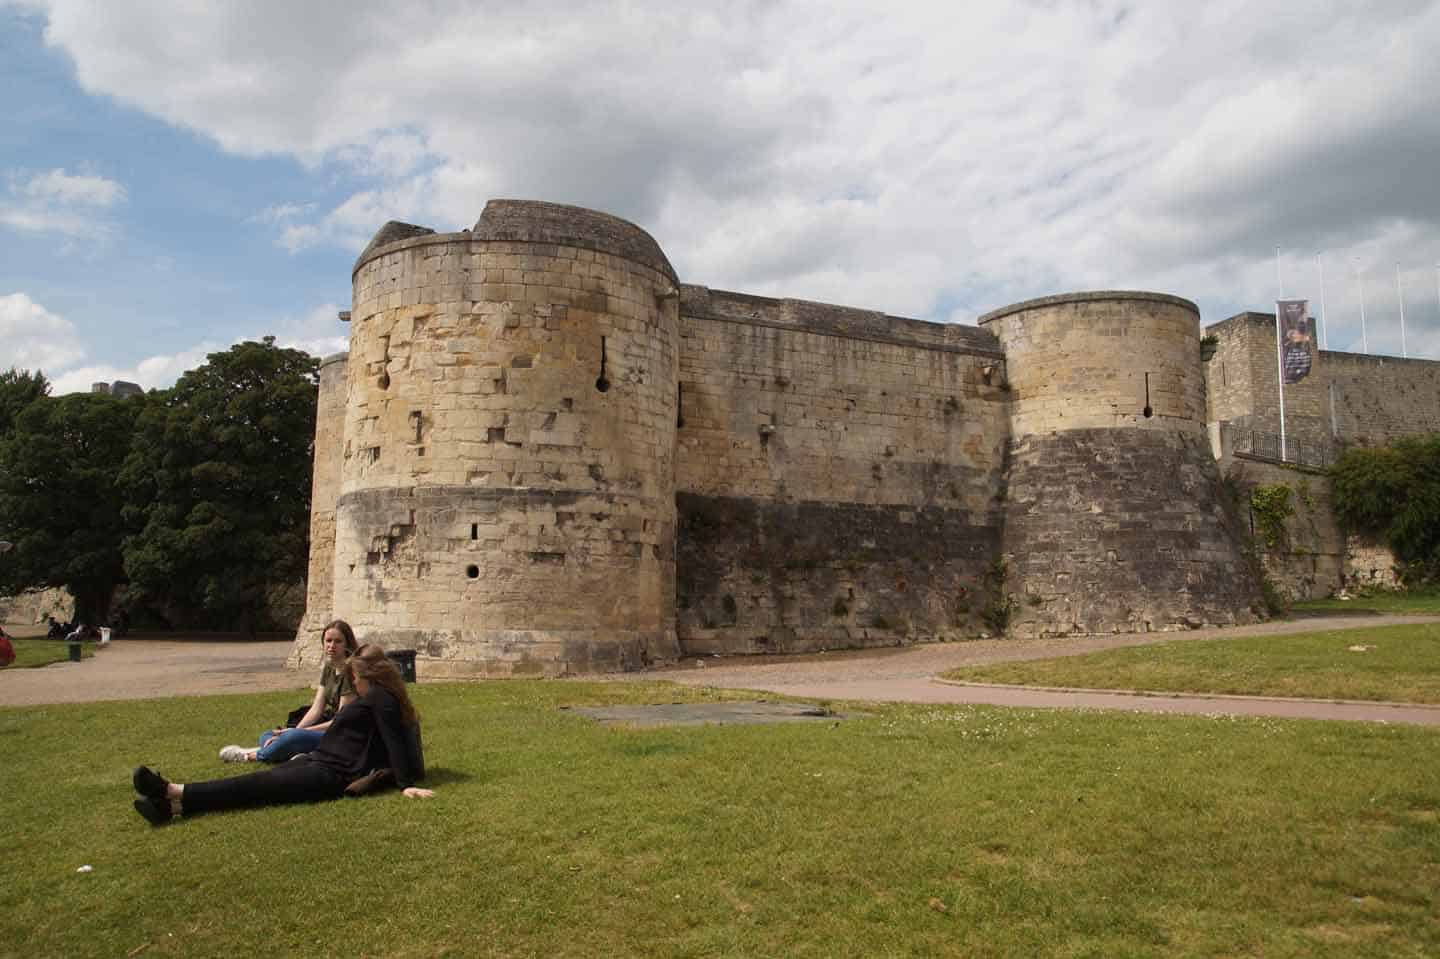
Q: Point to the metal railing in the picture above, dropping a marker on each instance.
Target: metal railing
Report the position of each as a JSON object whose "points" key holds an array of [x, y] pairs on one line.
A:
{"points": [[1236, 439]]}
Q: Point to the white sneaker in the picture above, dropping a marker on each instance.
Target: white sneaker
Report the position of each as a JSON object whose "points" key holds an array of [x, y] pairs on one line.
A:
{"points": [[235, 754]]}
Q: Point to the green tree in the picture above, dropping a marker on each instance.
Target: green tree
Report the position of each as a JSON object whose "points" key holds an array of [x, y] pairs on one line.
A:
{"points": [[1393, 493], [219, 481], [60, 503], [18, 389]]}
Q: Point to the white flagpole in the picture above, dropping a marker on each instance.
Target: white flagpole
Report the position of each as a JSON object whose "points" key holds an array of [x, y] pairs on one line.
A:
{"points": [[1320, 265], [1279, 350], [1360, 278], [1400, 292]]}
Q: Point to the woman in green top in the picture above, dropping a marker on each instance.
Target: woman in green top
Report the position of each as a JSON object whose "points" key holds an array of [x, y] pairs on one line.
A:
{"points": [[335, 690]]}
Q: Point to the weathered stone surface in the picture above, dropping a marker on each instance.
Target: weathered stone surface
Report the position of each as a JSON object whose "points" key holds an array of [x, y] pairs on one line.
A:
{"points": [[506, 502], [553, 458], [324, 489], [759, 575], [1121, 531], [1114, 519]]}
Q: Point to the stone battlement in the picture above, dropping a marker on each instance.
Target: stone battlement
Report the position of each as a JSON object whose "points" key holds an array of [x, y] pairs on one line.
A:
{"points": [[545, 455]]}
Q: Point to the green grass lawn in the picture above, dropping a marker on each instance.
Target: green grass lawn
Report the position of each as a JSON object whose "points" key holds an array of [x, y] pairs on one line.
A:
{"points": [[1399, 664], [43, 652], [1427, 601], [920, 831]]}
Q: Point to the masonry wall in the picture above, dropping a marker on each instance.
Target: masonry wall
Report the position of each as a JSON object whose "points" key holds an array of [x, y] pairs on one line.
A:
{"points": [[838, 475], [1347, 398], [1308, 560], [1115, 518], [324, 490], [507, 494]]}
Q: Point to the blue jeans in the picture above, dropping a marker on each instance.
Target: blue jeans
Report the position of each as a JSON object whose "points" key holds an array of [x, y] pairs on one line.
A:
{"points": [[276, 748]]}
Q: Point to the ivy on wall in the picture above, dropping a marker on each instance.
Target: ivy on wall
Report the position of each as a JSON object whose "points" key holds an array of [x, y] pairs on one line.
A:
{"points": [[1271, 506]]}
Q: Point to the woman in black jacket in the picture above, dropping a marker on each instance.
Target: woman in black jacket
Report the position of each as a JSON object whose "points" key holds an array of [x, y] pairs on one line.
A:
{"points": [[379, 730]]}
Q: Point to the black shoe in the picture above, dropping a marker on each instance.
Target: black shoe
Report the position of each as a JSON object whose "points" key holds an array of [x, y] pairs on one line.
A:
{"points": [[150, 784], [156, 811]]}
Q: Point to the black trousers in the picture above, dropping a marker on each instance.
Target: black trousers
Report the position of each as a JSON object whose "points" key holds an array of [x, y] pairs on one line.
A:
{"points": [[291, 782]]}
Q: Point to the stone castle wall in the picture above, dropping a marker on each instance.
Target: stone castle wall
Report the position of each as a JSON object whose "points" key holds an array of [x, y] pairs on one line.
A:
{"points": [[1114, 516], [1348, 398], [838, 475], [507, 494], [324, 491], [553, 457], [1310, 559]]}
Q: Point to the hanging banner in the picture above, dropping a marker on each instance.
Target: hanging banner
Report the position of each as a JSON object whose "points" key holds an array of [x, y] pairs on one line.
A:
{"points": [[1297, 341]]}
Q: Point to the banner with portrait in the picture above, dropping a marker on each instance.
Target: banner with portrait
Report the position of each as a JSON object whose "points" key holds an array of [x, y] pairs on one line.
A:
{"points": [[1297, 339]]}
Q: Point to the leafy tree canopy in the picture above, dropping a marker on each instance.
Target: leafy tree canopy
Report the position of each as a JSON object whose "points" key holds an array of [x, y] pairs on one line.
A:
{"points": [[18, 389], [1393, 493], [218, 479], [60, 504]]}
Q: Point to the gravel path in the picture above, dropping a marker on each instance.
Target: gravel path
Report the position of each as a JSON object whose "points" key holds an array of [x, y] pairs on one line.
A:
{"points": [[907, 675], [147, 668]]}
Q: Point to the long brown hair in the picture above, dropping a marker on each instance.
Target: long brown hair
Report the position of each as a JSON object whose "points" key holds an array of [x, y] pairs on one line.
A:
{"points": [[370, 664], [343, 628]]}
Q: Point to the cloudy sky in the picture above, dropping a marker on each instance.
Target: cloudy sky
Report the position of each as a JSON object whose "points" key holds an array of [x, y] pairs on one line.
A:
{"points": [[176, 175]]}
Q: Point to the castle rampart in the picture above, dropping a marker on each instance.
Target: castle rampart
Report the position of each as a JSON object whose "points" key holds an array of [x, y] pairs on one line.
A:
{"points": [[324, 491], [838, 475], [507, 495], [556, 458], [1113, 517]]}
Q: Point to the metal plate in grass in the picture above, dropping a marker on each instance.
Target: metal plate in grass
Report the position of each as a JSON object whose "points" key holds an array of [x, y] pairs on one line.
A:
{"points": [[699, 714]]}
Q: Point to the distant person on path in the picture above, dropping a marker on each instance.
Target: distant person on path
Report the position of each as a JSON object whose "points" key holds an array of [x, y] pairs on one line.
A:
{"points": [[333, 693], [377, 736]]}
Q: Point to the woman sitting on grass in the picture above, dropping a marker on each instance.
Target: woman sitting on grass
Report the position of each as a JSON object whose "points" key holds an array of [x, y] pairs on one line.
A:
{"points": [[378, 731], [333, 693]]}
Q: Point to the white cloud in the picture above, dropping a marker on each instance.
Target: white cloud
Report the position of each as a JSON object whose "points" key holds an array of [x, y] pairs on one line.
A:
{"points": [[318, 331], [58, 202], [57, 186], [282, 212], [153, 372], [935, 159], [34, 337]]}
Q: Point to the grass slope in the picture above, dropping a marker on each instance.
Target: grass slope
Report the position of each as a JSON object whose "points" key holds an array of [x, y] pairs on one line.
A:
{"points": [[1398, 664], [43, 652], [1419, 601], [919, 831]]}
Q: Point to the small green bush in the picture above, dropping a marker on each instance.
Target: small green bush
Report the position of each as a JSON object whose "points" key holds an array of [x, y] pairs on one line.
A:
{"points": [[1393, 494], [1271, 507]]}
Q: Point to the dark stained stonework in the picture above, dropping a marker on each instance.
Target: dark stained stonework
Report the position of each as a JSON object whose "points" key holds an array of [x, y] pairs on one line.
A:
{"points": [[1112, 530], [759, 575]]}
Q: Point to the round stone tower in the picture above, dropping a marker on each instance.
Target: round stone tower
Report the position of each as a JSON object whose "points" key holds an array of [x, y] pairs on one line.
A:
{"points": [[1115, 518], [324, 488], [507, 494]]}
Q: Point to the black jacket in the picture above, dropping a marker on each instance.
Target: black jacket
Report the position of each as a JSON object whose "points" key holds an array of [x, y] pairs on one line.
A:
{"points": [[369, 734]]}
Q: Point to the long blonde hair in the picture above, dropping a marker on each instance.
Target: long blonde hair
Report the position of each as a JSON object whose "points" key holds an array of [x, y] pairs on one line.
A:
{"points": [[371, 664]]}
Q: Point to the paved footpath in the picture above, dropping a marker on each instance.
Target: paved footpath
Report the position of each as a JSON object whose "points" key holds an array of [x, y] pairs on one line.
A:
{"points": [[906, 675], [148, 668]]}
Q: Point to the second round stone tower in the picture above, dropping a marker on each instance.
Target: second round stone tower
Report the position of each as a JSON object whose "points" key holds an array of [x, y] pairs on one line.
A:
{"points": [[507, 494], [1115, 518]]}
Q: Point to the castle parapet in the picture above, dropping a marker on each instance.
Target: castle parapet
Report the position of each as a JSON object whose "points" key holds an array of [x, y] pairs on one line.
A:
{"points": [[507, 503], [1114, 518]]}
